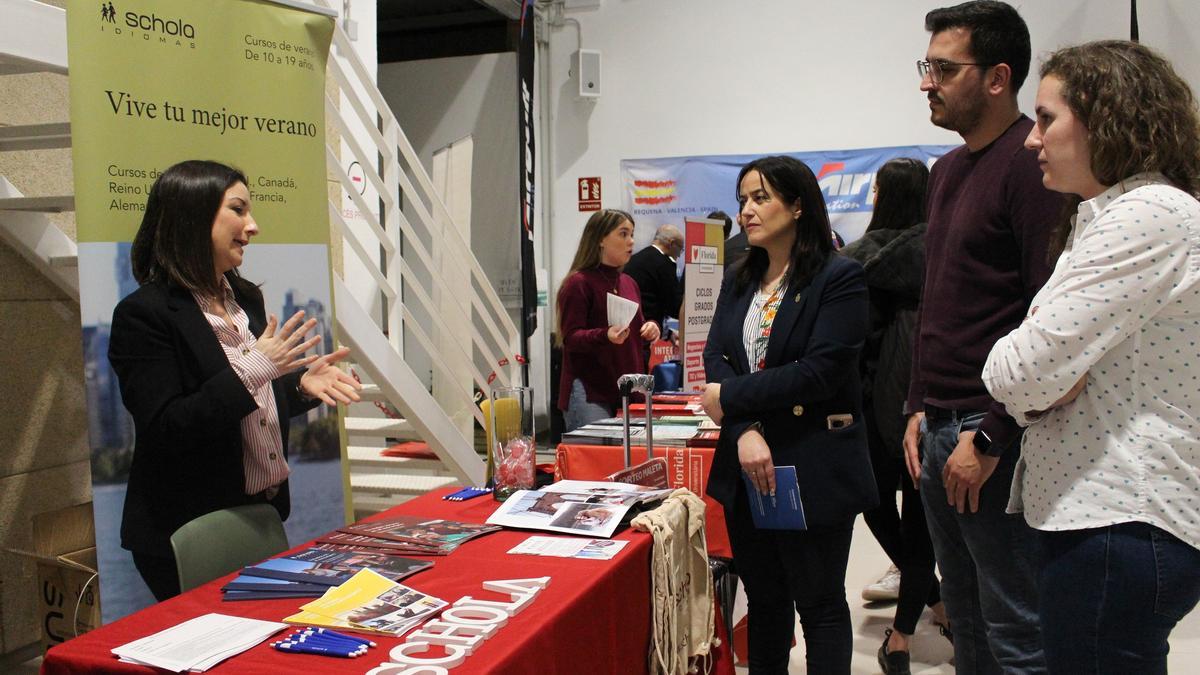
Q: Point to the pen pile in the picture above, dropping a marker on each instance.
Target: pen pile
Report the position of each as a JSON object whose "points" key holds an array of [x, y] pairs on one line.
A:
{"points": [[324, 642], [466, 493]]}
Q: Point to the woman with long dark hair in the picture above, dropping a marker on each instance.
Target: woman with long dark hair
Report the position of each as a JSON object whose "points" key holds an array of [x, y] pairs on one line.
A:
{"points": [[892, 253], [782, 366], [209, 379], [595, 354], [1103, 370]]}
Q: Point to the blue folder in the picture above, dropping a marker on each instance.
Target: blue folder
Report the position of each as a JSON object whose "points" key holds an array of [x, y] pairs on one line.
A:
{"points": [[784, 510]]}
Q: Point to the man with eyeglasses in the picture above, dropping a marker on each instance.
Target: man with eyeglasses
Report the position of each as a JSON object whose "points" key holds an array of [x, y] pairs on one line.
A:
{"points": [[989, 221]]}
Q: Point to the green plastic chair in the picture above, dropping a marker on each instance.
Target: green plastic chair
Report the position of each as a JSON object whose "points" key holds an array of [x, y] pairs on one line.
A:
{"points": [[220, 542]]}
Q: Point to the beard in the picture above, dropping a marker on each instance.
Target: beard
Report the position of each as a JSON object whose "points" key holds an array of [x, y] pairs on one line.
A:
{"points": [[962, 116]]}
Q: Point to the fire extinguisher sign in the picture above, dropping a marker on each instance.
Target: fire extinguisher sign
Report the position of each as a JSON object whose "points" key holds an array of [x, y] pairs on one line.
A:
{"points": [[589, 194]]}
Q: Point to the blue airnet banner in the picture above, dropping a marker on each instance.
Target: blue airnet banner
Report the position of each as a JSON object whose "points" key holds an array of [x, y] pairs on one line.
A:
{"points": [[668, 189]]}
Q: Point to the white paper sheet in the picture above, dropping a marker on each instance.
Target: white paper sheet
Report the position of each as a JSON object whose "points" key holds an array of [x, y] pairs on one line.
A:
{"points": [[620, 311], [564, 547], [198, 644]]}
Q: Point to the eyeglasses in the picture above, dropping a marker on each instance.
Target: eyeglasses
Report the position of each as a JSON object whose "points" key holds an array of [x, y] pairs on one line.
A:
{"points": [[937, 68]]}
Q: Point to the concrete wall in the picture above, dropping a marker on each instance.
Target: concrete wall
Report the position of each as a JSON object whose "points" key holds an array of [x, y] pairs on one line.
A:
{"points": [[44, 453]]}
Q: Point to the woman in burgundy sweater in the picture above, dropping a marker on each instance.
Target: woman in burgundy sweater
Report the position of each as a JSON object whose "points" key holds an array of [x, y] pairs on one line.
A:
{"points": [[594, 353]]}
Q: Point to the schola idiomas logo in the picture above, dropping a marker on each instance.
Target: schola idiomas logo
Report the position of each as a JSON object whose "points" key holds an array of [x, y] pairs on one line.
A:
{"points": [[150, 27], [654, 192]]}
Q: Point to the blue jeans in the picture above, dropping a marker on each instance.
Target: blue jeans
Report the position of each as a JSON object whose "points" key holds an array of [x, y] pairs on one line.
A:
{"points": [[1112, 595], [986, 560], [581, 411]]}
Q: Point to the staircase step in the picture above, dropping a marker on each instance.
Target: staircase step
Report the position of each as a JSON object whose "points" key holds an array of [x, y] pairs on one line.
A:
{"points": [[39, 204], [370, 459], [35, 136], [381, 427], [33, 38], [398, 484]]}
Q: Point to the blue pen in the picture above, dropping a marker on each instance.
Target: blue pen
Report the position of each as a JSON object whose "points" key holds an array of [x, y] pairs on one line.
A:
{"points": [[333, 637], [326, 641], [339, 648], [323, 641], [329, 640], [313, 649], [327, 631]]}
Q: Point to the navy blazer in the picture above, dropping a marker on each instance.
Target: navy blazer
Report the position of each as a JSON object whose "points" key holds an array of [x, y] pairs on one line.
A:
{"points": [[811, 372], [187, 405]]}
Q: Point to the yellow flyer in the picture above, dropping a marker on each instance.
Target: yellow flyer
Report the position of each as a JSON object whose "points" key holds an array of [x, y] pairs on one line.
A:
{"points": [[371, 602]]}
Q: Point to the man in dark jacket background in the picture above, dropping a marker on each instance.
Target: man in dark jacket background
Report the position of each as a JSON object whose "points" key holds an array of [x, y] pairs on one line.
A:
{"points": [[653, 268]]}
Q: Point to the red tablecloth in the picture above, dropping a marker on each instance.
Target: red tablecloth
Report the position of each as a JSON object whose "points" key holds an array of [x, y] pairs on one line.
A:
{"points": [[686, 467], [594, 617], [637, 411]]}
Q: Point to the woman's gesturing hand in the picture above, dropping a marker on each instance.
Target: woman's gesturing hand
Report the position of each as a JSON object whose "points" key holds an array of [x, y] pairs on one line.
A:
{"points": [[285, 348], [329, 383]]}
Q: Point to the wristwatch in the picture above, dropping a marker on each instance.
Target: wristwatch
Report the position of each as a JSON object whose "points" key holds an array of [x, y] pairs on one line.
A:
{"points": [[756, 426], [983, 443]]}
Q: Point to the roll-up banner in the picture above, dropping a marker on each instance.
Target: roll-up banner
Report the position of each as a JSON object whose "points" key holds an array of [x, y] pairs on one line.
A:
{"points": [[156, 82], [525, 58], [704, 260]]}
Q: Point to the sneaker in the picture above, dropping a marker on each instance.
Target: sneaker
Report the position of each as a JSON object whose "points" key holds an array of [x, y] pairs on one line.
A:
{"points": [[892, 663], [887, 588]]}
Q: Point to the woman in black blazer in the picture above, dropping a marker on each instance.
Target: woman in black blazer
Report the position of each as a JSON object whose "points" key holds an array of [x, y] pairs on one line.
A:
{"points": [[189, 390], [782, 365]]}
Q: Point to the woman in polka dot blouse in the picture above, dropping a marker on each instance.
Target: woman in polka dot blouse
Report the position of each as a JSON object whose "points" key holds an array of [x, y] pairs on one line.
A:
{"points": [[1105, 370]]}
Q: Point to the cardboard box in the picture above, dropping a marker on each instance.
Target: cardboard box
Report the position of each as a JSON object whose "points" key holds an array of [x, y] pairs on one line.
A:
{"points": [[68, 589]]}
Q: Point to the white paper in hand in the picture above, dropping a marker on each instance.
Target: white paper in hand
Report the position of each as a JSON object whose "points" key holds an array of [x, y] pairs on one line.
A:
{"points": [[620, 311]]}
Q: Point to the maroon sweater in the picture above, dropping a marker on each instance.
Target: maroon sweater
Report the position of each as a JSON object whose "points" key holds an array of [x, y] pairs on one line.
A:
{"points": [[587, 353], [985, 253]]}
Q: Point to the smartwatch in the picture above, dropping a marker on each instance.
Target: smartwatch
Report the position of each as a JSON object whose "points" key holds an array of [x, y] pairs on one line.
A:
{"points": [[983, 443]]}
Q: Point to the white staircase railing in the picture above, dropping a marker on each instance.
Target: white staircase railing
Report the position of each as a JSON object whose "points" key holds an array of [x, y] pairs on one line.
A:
{"points": [[33, 40], [39, 241], [404, 237]]}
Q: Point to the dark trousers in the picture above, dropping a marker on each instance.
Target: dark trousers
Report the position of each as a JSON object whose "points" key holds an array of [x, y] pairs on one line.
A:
{"points": [[787, 572], [903, 534], [159, 574], [1110, 597]]}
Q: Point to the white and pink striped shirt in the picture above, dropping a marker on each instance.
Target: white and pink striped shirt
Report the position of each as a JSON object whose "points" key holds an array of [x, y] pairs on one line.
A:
{"points": [[262, 441]]}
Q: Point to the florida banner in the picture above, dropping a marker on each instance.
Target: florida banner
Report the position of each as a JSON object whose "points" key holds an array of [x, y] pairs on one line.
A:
{"points": [[156, 82]]}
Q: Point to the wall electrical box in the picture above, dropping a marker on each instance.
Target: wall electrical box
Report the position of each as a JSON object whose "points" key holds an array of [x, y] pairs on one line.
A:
{"points": [[585, 70]]}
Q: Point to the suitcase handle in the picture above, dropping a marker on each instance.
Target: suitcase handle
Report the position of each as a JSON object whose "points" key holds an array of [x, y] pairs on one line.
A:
{"points": [[627, 384]]}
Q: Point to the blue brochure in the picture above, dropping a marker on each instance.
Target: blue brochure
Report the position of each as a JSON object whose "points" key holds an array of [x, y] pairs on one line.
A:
{"points": [[784, 510]]}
